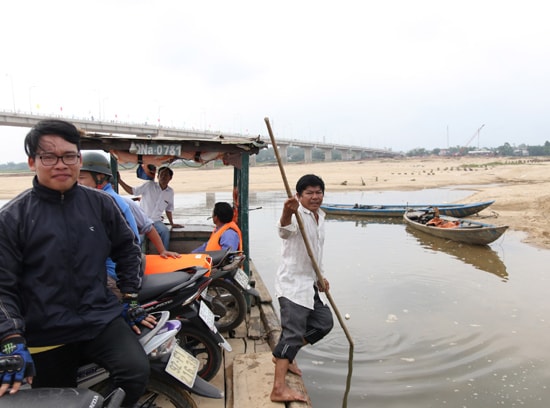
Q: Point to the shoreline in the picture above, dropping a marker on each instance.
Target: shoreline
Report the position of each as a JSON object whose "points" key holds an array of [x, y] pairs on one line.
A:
{"points": [[519, 186]]}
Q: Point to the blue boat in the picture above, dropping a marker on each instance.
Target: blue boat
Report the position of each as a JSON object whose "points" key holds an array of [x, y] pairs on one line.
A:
{"points": [[366, 210]]}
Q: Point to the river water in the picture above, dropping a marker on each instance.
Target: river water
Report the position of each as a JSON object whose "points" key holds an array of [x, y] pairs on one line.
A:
{"points": [[435, 324]]}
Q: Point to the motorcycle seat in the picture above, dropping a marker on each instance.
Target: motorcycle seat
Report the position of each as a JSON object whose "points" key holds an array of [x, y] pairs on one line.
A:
{"points": [[217, 256], [222, 257], [155, 285]]}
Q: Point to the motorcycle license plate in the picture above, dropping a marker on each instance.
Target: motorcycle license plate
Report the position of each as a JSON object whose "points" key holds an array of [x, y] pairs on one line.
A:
{"points": [[182, 366], [207, 316], [242, 278]]}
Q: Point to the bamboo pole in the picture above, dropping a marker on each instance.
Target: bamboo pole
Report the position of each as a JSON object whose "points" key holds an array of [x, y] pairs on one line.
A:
{"points": [[314, 263]]}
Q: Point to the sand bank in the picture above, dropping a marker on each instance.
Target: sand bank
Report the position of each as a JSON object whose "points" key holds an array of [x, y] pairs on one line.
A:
{"points": [[520, 186]]}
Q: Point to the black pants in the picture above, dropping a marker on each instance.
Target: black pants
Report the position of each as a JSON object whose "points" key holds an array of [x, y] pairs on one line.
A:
{"points": [[116, 348]]}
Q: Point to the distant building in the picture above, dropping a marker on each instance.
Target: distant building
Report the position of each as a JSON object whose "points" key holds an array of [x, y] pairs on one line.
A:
{"points": [[521, 152], [482, 152]]}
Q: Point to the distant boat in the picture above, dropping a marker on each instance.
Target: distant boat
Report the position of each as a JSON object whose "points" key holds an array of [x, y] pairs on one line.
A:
{"points": [[364, 210], [454, 229]]}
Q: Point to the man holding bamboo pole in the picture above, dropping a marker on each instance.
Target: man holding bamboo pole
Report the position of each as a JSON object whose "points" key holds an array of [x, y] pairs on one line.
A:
{"points": [[305, 319]]}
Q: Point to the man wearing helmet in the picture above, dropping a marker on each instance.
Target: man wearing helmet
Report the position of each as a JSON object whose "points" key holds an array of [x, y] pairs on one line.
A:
{"points": [[96, 173]]}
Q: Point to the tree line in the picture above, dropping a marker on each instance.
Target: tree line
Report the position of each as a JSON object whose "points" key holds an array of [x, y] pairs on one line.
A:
{"points": [[296, 154], [505, 150]]}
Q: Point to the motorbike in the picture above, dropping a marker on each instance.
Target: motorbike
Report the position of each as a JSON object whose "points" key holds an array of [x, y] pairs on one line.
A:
{"points": [[180, 293], [172, 379], [166, 386], [54, 397], [227, 290], [59, 397], [226, 293]]}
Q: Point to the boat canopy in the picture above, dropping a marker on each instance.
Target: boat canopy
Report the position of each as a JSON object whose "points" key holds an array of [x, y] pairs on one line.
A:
{"points": [[200, 147], [161, 149]]}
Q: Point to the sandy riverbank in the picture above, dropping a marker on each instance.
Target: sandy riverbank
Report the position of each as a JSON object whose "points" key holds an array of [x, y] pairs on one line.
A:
{"points": [[520, 186]]}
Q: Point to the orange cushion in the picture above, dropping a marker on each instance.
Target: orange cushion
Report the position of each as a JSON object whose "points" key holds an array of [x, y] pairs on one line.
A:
{"points": [[157, 264]]}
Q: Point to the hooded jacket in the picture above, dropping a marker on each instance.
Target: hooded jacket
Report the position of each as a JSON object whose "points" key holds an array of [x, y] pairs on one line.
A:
{"points": [[53, 247]]}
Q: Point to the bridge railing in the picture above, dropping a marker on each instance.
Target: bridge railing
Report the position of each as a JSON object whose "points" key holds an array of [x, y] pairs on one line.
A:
{"points": [[90, 124]]}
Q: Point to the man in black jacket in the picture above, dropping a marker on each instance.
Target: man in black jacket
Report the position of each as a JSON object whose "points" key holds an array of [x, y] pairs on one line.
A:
{"points": [[54, 300]]}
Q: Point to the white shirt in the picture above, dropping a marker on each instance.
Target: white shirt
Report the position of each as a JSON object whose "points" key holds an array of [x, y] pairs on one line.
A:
{"points": [[144, 223], [155, 200], [296, 276]]}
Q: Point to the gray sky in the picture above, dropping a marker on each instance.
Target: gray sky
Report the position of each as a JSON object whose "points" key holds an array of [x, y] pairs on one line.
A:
{"points": [[385, 74]]}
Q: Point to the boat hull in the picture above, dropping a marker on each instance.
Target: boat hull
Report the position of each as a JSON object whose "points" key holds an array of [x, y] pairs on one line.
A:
{"points": [[467, 231], [453, 210]]}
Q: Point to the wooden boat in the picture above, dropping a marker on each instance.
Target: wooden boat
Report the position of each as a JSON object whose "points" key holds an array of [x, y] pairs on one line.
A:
{"points": [[453, 210], [454, 229], [252, 359], [364, 221]]}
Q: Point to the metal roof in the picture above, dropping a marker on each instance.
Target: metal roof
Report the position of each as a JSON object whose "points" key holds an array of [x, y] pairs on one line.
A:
{"points": [[193, 143]]}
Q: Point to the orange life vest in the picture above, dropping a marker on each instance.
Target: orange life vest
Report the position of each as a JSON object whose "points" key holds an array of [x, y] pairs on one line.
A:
{"points": [[439, 223], [213, 243]]}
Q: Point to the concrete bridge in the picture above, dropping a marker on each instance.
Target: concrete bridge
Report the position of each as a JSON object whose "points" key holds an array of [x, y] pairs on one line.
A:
{"points": [[115, 127], [347, 152]]}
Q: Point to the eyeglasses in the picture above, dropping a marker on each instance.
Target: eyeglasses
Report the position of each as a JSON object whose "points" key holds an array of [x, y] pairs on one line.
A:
{"points": [[50, 159]]}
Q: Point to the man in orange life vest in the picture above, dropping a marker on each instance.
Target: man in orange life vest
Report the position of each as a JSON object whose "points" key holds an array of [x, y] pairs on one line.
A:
{"points": [[226, 235]]}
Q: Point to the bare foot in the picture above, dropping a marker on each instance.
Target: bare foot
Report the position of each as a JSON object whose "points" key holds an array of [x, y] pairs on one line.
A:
{"points": [[286, 395], [292, 367]]}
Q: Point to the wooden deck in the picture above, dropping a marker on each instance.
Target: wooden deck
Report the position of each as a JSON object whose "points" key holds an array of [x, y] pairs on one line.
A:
{"points": [[247, 373]]}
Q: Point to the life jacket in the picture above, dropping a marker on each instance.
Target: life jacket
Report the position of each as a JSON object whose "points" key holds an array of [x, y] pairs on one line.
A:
{"points": [[439, 223], [213, 243]]}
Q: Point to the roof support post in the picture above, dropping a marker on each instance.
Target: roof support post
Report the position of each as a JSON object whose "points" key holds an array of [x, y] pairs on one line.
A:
{"points": [[114, 170], [240, 182]]}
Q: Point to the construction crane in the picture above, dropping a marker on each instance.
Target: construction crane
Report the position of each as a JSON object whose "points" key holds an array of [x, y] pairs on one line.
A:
{"points": [[465, 145]]}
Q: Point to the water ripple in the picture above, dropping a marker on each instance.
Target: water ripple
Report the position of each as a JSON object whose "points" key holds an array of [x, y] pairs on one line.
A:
{"points": [[448, 368]]}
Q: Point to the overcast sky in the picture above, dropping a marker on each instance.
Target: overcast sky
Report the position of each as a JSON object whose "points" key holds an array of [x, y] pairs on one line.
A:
{"points": [[385, 74]]}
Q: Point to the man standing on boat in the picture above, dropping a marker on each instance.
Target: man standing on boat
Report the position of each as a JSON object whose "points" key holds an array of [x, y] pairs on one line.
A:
{"points": [[157, 198], [305, 319]]}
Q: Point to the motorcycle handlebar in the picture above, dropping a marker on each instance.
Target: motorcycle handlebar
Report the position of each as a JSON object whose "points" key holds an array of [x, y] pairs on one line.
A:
{"points": [[10, 364]]}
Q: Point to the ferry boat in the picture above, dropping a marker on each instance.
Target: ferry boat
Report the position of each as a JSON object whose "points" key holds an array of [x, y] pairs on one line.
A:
{"points": [[246, 367]]}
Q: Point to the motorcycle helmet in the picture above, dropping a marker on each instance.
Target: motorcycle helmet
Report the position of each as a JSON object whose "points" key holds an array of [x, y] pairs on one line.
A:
{"points": [[95, 162]]}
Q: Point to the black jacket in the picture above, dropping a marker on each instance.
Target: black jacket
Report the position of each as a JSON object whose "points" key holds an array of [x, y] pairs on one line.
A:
{"points": [[53, 248]]}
